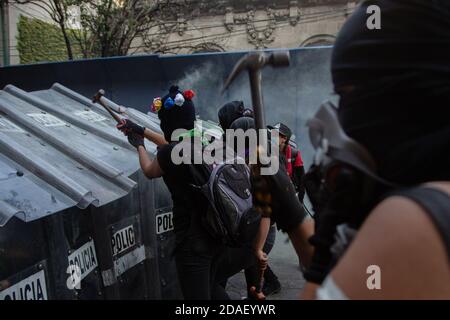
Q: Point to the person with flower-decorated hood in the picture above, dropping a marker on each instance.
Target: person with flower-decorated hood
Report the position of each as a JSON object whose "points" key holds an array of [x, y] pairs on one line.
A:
{"points": [[382, 206], [196, 253]]}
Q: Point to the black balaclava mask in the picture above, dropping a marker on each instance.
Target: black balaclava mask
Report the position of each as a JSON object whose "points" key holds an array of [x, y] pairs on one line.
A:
{"points": [[399, 107], [176, 117], [244, 123], [230, 112]]}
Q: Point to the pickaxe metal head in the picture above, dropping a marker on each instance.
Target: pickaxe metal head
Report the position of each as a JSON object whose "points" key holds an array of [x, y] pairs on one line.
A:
{"points": [[100, 93], [255, 61], [98, 99]]}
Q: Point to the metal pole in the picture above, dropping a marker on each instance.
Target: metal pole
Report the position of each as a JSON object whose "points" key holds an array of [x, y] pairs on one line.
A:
{"points": [[3, 26]]}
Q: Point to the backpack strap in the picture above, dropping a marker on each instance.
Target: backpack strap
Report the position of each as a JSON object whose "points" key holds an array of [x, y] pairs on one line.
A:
{"points": [[200, 175], [436, 203]]}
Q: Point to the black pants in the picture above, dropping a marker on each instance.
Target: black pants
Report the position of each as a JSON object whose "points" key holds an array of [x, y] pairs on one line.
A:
{"points": [[197, 258], [202, 265]]}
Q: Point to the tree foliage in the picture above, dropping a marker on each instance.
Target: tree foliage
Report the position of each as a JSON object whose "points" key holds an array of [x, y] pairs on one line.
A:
{"points": [[38, 41], [108, 27], [105, 27], [58, 11]]}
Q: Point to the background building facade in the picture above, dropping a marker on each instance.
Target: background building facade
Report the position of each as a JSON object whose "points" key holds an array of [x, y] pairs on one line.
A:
{"points": [[194, 26], [230, 25]]}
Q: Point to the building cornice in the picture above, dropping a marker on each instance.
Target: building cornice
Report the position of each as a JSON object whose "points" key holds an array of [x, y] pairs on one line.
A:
{"points": [[174, 17], [216, 7]]}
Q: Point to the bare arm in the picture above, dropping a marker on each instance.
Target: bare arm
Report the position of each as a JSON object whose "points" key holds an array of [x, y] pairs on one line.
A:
{"points": [[261, 236], [150, 167], [260, 240], [309, 291], [154, 137], [300, 240], [401, 239]]}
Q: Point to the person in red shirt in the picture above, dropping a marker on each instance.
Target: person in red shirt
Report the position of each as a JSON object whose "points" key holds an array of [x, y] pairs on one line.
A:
{"points": [[291, 158]]}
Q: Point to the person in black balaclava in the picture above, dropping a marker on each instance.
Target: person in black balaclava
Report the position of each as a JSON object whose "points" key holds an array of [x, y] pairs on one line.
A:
{"points": [[394, 88], [271, 283], [196, 253], [287, 211]]}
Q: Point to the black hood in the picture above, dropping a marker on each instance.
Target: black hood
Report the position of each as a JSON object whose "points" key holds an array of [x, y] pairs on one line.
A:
{"points": [[176, 117], [399, 105], [230, 112]]}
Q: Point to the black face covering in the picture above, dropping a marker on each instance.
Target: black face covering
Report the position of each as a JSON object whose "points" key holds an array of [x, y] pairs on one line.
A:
{"points": [[398, 106]]}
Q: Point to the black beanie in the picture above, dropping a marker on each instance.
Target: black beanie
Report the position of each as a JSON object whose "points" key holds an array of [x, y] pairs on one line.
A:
{"points": [[398, 107], [176, 117], [244, 123], [230, 112]]}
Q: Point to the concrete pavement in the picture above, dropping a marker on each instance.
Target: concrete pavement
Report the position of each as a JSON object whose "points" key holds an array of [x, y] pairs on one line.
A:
{"points": [[284, 262]]}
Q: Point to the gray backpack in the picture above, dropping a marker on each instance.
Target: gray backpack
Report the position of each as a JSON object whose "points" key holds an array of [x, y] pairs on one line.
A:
{"points": [[229, 218]]}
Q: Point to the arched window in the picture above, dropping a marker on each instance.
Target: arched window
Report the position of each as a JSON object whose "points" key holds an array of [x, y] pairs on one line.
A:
{"points": [[319, 40], [207, 47]]}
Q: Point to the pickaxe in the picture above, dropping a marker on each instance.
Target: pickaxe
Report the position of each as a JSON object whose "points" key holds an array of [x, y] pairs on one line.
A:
{"points": [[254, 62], [98, 98]]}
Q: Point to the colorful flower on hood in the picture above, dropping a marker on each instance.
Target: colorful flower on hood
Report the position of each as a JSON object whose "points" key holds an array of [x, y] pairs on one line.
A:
{"points": [[179, 100], [189, 94], [157, 104]]}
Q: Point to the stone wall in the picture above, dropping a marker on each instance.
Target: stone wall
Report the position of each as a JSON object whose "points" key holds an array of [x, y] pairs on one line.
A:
{"points": [[201, 26]]}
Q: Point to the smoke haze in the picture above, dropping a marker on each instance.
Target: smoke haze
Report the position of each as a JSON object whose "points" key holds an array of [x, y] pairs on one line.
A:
{"points": [[291, 95]]}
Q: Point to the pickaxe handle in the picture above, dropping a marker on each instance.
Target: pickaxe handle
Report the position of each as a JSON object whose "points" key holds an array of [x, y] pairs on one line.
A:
{"points": [[257, 291], [98, 98], [254, 62]]}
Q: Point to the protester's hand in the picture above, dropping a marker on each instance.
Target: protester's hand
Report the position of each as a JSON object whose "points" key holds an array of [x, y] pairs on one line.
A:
{"points": [[136, 140], [128, 126], [262, 258], [255, 295]]}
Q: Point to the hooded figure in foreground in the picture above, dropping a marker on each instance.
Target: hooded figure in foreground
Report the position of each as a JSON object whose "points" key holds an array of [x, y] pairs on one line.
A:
{"points": [[391, 221]]}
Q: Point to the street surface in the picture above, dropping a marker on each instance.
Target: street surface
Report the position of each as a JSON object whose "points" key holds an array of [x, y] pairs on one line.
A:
{"points": [[284, 263]]}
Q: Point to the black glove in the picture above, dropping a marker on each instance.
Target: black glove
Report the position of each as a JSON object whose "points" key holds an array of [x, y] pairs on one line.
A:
{"points": [[322, 261], [136, 140], [128, 126]]}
